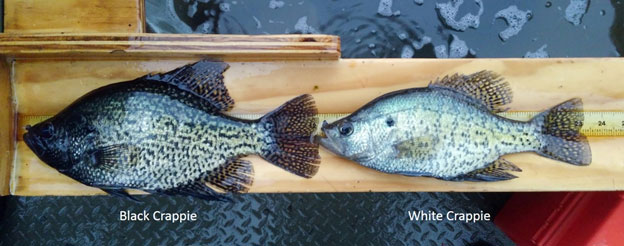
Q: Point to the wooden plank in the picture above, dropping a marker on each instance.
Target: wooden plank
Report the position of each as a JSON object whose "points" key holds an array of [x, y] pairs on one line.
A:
{"points": [[57, 16], [7, 133], [120, 45], [44, 87]]}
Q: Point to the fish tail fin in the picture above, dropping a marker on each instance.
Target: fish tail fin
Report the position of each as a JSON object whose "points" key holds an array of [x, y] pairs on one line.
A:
{"points": [[561, 137], [290, 130]]}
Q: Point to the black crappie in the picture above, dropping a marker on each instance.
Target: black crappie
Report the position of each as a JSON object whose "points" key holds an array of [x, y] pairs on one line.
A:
{"points": [[448, 130], [167, 133]]}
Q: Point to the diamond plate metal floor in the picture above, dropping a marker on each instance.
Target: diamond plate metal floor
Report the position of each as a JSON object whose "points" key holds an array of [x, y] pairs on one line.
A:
{"points": [[252, 219]]}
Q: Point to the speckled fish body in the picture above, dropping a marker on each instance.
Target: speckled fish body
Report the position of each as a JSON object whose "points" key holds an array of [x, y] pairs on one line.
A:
{"points": [[450, 131], [170, 137]]}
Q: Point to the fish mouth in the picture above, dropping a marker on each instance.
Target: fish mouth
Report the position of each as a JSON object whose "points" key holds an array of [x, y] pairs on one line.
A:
{"points": [[322, 134], [30, 142], [325, 140]]}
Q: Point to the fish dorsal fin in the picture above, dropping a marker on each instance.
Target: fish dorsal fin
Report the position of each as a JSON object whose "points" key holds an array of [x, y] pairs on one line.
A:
{"points": [[203, 78], [236, 176], [486, 87]]}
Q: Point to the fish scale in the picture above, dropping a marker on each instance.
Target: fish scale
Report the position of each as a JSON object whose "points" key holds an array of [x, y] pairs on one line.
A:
{"points": [[456, 126], [167, 133], [203, 149], [450, 130]]}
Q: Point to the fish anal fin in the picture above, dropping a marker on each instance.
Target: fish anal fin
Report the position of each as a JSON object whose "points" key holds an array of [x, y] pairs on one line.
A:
{"points": [[236, 176], [415, 174], [417, 147], [196, 189], [119, 193], [203, 78], [486, 87], [496, 171]]}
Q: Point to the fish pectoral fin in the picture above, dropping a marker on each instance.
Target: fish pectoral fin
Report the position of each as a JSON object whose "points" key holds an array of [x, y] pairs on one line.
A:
{"points": [[112, 156], [493, 172], [486, 87], [418, 147], [203, 78], [235, 176], [197, 189], [119, 193]]}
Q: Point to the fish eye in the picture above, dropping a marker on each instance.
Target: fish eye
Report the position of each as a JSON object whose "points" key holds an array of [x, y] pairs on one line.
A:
{"points": [[345, 129], [47, 130], [390, 121]]}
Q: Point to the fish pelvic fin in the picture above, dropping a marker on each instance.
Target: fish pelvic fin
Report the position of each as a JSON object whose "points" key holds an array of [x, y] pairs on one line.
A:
{"points": [[496, 171], [290, 129], [561, 138], [486, 87], [203, 78], [119, 193], [235, 176], [197, 189]]}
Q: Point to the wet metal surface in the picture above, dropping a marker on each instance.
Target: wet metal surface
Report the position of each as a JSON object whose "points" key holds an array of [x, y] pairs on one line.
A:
{"points": [[252, 219]]}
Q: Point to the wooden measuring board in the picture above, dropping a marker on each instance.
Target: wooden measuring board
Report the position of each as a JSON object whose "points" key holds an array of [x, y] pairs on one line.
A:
{"points": [[44, 87]]}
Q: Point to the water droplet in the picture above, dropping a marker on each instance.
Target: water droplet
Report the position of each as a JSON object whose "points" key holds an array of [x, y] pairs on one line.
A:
{"points": [[385, 8], [407, 52], [575, 11], [303, 27], [602, 12], [374, 31], [225, 7], [448, 11], [420, 44], [371, 46], [548, 4], [515, 19], [274, 4], [540, 53], [358, 41]]}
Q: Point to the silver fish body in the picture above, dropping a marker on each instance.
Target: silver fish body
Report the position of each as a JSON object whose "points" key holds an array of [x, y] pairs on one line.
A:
{"points": [[167, 137], [449, 131]]}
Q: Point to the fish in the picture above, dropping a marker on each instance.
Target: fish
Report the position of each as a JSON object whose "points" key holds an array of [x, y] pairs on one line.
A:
{"points": [[450, 130], [168, 133]]}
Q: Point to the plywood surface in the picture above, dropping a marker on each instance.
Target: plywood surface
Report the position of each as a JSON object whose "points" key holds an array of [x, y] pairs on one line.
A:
{"points": [[56, 16], [120, 45], [44, 87], [6, 127]]}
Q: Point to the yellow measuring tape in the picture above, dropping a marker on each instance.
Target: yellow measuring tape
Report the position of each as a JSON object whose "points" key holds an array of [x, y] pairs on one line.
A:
{"points": [[596, 124]]}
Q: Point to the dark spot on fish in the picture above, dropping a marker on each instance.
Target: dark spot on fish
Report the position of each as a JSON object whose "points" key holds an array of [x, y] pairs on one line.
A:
{"points": [[316, 87], [308, 40], [390, 122]]}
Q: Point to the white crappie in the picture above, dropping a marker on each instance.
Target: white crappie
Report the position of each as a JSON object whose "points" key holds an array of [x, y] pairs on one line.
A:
{"points": [[167, 133], [448, 130]]}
